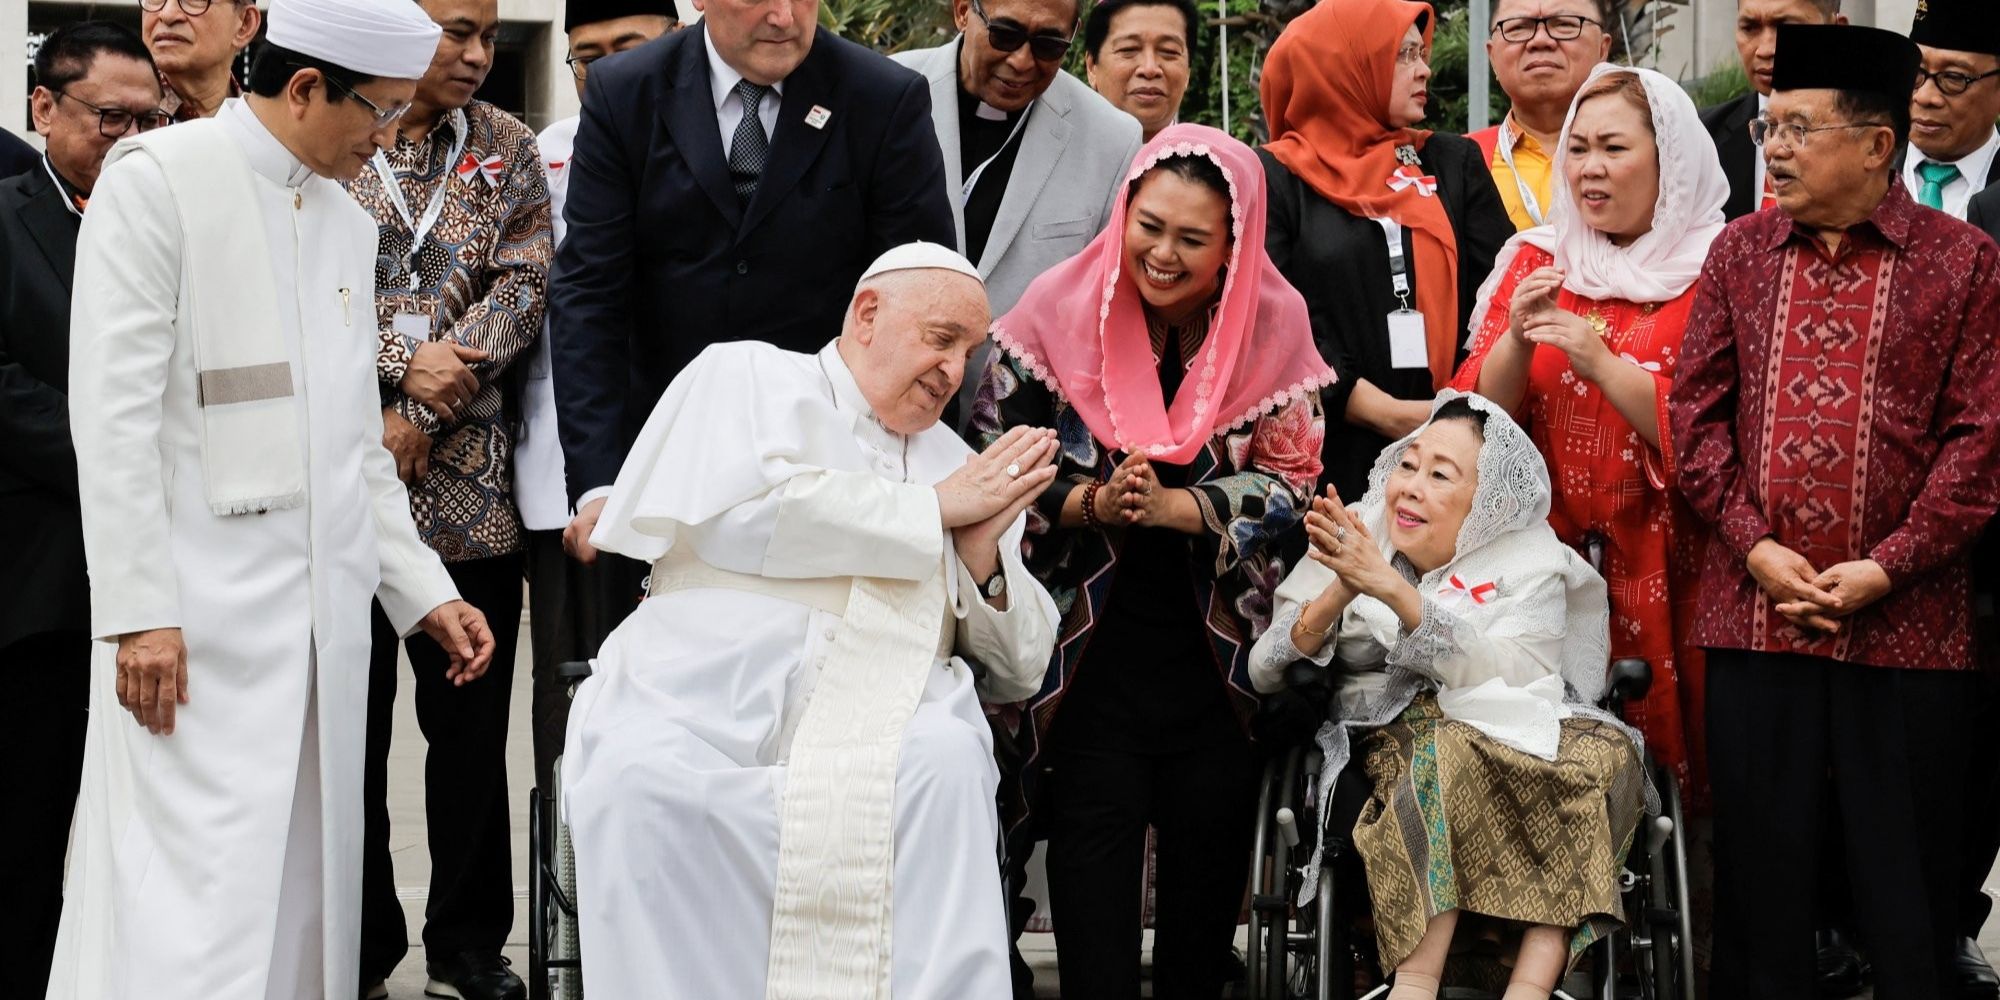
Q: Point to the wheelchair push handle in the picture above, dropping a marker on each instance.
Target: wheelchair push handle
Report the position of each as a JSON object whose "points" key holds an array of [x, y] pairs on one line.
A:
{"points": [[573, 671]]}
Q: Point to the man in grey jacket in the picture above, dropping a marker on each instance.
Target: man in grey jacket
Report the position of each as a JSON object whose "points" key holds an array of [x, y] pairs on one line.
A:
{"points": [[1033, 157]]}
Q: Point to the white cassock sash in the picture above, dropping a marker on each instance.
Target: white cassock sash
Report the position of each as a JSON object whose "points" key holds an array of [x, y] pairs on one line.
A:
{"points": [[831, 921]]}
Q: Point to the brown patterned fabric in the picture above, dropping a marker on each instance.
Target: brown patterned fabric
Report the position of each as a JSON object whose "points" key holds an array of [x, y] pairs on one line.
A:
{"points": [[1460, 821], [483, 270]]}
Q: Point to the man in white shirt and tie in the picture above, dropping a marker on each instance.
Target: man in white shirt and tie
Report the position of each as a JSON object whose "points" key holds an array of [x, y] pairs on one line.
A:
{"points": [[1957, 99]]}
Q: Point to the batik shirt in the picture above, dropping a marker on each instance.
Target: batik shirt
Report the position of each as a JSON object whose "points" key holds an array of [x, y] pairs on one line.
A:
{"points": [[1846, 404], [483, 270]]}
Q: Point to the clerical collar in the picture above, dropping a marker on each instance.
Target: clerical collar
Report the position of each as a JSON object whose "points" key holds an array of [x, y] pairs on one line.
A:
{"points": [[971, 108], [73, 198], [267, 155]]}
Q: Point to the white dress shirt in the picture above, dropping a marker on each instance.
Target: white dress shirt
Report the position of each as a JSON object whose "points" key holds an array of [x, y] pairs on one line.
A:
{"points": [[1972, 171], [722, 81]]}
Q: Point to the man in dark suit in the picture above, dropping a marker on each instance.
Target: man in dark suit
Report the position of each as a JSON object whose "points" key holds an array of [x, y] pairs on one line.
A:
{"points": [[96, 84], [1729, 122], [16, 156], [731, 182]]}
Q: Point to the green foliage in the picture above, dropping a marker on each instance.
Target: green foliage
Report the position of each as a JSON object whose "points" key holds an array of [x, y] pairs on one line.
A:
{"points": [[1725, 84], [889, 25], [1451, 66]]}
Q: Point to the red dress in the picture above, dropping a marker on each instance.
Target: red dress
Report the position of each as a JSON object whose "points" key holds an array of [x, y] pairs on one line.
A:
{"points": [[1610, 483]]}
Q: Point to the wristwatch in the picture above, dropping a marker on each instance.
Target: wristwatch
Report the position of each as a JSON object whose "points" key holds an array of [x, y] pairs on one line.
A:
{"points": [[995, 585]]}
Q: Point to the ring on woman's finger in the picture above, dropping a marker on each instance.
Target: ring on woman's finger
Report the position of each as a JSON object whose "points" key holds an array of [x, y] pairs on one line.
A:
{"points": [[1013, 470], [1340, 534]]}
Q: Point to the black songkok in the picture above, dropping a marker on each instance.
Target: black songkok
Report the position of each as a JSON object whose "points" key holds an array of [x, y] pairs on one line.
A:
{"points": [[581, 12], [1958, 25], [1845, 57]]}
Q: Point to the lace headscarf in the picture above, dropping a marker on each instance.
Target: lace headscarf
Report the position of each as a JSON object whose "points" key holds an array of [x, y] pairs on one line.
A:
{"points": [[1687, 216], [1499, 582], [1081, 330]]}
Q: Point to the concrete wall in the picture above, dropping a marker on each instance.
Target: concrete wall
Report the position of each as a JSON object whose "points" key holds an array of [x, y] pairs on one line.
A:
{"points": [[1702, 38], [551, 91]]}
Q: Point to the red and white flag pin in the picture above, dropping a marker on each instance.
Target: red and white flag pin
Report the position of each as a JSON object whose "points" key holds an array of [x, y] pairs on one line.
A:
{"points": [[817, 116]]}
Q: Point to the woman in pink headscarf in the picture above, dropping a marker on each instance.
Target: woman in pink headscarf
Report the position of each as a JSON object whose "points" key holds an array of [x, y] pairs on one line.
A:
{"points": [[1179, 370]]}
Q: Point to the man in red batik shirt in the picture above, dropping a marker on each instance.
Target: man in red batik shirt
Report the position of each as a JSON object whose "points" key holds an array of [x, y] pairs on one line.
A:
{"points": [[1837, 404]]}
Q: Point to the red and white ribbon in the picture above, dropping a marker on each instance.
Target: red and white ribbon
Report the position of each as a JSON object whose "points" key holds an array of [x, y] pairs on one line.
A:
{"points": [[492, 167], [1408, 176], [1479, 592], [1651, 366]]}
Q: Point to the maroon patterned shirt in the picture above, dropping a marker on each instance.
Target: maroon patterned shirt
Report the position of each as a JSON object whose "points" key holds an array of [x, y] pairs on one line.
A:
{"points": [[1847, 405]]}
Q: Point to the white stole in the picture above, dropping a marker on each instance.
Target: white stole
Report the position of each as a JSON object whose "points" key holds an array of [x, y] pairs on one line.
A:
{"points": [[250, 454]]}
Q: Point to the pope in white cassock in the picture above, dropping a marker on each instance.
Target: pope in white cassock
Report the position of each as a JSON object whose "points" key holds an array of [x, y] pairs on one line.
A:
{"points": [[239, 513], [779, 779]]}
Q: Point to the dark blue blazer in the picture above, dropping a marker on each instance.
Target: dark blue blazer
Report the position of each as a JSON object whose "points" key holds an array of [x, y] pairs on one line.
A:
{"points": [[661, 260]]}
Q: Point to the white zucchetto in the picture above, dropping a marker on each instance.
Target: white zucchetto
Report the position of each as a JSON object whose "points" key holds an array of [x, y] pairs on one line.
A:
{"points": [[920, 256], [393, 39]]}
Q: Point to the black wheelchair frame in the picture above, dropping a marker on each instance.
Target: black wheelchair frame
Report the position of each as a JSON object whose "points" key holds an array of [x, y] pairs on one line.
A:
{"points": [[555, 962], [1304, 954]]}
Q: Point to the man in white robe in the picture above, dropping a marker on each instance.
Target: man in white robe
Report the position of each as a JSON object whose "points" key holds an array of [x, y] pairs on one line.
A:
{"points": [[780, 779], [239, 513]]}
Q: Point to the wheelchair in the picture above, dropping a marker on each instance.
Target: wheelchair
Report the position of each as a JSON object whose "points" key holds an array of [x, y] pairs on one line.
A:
{"points": [[555, 962], [1304, 953]]}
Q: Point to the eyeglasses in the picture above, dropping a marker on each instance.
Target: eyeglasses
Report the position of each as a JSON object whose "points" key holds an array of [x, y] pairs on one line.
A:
{"points": [[1764, 131], [115, 123], [1561, 27], [579, 66], [1409, 55], [192, 8], [1950, 83], [384, 117], [1008, 37]]}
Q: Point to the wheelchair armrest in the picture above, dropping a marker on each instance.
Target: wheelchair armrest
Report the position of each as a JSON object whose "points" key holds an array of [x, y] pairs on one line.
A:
{"points": [[1630, 680], [573, 671]]}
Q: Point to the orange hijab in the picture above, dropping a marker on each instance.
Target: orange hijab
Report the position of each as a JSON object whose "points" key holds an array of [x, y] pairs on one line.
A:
{"points": [[1326, 96]]}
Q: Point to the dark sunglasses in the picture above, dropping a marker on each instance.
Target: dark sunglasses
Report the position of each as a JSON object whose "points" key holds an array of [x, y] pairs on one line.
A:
{"points": [[1009, 37]]}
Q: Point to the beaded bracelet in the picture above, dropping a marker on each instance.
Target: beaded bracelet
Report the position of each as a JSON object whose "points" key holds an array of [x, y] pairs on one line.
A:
{"points": [[1090, 506]]}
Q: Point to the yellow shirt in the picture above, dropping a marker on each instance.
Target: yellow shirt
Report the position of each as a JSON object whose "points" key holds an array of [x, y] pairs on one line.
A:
{"points": [[1536, 169]]}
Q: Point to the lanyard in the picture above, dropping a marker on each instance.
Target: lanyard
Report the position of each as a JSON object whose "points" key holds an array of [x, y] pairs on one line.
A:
{"points": [[972, 180], [1399, 271], [1532, 204], [422, 228]]}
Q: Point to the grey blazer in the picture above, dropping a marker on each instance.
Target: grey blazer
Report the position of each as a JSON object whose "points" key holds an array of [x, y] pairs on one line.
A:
{"points": [[1072, 134]]}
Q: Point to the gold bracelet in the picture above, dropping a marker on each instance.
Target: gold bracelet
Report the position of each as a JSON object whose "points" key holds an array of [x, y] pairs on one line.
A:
{"points": [[1307, 629]]}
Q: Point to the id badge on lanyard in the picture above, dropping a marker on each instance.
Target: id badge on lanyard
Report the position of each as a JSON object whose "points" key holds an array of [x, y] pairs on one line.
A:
{"points": [[1409, 346], [421, 228], [1529, 203]]}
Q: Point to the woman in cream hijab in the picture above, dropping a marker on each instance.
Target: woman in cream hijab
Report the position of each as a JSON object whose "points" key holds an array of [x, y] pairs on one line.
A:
{"points": [[1471, 646]]}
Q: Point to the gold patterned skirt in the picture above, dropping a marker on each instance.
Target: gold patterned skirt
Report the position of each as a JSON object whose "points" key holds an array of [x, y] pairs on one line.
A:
{"points": [[1461, 821]]}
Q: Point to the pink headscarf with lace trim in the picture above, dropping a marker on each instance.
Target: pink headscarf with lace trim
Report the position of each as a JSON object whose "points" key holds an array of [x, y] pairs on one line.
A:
{"points": [[1259, 354]]}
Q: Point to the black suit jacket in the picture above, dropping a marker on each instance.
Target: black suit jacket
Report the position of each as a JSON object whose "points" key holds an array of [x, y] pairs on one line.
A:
{"points": [[1340, 263], [16, 156], [1728, 124], [661, 260], [1984, 211], [44, 587]]}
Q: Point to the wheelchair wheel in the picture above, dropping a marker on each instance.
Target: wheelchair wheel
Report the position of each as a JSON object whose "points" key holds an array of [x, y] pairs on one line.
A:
{"points": [[1670, 916], [555, 970], [1289, 946]]}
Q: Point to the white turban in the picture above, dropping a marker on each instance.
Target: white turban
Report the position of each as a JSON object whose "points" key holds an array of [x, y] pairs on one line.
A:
{"points": [[920, 256], [393, 39]]}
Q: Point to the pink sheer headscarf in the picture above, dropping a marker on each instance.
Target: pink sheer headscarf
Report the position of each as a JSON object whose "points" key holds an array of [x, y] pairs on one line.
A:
{"points": [[1259, 354]]}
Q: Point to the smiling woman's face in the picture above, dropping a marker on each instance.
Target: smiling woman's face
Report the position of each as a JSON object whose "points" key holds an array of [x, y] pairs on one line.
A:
{"points": [[1176, 243], [1430, 492]]}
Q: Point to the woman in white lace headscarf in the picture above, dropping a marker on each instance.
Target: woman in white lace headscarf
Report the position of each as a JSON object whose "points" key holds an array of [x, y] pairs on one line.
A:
{"points": [[1472, 645]]}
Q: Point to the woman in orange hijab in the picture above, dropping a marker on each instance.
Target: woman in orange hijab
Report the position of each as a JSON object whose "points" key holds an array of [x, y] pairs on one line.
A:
{"points": [[1348, 174]]}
